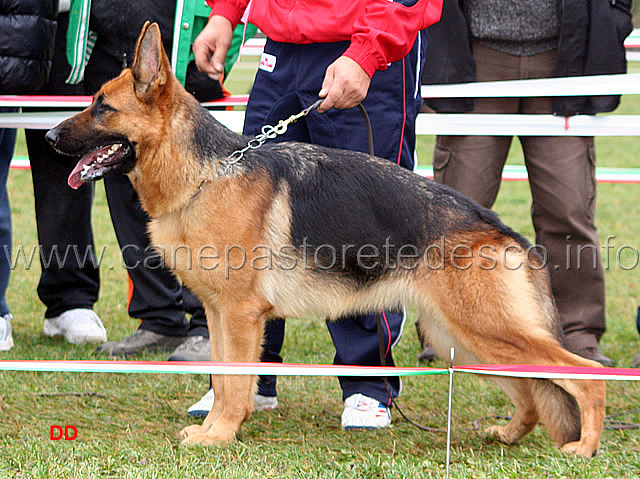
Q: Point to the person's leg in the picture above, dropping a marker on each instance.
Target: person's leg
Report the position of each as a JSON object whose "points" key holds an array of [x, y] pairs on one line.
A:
{"points": [[155, 293], [63, 219], [562, 178], [473, 165], [7, 144], [272, 99], [267, 108], [197, 346], [365, 351], [69, 278]]}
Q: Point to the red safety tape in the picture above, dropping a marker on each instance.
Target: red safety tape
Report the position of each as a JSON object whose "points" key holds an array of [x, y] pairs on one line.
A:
{"points": [[296, 369], [551, 372]]}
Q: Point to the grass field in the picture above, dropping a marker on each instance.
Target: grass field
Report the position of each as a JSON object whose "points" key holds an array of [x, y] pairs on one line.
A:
{"points": [[128, 424]]}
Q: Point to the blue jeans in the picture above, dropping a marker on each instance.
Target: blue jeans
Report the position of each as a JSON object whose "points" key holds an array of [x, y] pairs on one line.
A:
{"points": [[7, 145]]}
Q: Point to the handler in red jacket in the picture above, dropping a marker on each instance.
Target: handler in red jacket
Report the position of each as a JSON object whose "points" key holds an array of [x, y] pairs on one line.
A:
{"points": [[362, 51]]}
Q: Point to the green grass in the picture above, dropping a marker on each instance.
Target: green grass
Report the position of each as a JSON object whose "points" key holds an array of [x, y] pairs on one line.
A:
{"points": [[129, 429]]}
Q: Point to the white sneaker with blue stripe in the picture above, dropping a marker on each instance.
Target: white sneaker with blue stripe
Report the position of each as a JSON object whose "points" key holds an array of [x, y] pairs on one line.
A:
{"points": [[363, 412], [204, 405]]}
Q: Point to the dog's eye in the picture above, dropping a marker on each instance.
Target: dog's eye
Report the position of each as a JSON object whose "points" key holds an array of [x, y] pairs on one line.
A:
{"points": [[104, 107], [100, 107]]}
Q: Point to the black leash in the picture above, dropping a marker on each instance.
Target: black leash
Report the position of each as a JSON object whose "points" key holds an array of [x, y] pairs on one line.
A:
{"points": [[383, 362], [365, 115]]}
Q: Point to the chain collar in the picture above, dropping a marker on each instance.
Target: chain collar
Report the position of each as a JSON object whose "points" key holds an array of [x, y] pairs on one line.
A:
{"points": [[268, 132]]}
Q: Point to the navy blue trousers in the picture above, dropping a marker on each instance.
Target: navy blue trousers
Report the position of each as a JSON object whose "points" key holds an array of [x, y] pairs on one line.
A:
{"points": [[392, 103]]}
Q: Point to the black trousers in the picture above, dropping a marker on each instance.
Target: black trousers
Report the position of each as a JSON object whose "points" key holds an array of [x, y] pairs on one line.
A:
{"points": [[63, 217]]}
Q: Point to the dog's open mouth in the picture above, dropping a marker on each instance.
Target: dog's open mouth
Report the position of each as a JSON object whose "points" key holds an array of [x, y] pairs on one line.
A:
{"points": [[94, 165]]}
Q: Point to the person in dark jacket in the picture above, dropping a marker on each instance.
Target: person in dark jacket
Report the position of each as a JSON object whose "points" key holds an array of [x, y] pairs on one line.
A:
{"points": [[487, 40], [27, 29], [70, 291]]}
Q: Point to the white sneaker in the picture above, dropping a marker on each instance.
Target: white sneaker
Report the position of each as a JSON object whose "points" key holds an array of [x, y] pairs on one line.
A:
{"points": [[6, 339], [363, 412], [264, 403], [204, 405], [78, 326]]}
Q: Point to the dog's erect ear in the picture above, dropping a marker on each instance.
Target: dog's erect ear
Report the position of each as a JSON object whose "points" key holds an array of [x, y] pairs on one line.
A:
{"points": [[151, 68]]}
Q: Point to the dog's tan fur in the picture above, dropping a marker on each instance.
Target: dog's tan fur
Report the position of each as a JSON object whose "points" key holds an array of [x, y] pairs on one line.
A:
{"points": [[490, 313]]}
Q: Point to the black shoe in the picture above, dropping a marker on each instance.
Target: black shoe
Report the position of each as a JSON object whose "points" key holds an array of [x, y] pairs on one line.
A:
{"points": [[427, 354], [141, 340], [595, 354], [195, 348]]}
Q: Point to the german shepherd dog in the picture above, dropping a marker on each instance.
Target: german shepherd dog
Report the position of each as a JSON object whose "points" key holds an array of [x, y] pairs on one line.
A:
{"points": [[347, 233]]}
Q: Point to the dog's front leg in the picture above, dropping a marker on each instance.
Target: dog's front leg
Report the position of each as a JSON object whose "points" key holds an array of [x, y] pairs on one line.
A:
{"points": [[217, 355], [240, 335]]}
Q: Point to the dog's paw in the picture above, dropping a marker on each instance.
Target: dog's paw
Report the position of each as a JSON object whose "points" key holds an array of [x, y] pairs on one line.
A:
{"points": [[578, 448], [191, 431], [208, 438], [499, 433]]}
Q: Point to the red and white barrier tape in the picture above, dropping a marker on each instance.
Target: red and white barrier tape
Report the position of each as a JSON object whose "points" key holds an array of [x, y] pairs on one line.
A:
{"points": [[292, 369], [551, 372], [206, 367]]}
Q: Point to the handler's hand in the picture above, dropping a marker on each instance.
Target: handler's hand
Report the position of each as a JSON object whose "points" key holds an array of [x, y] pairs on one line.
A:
{"points": [[345, 85], [211, 46]]}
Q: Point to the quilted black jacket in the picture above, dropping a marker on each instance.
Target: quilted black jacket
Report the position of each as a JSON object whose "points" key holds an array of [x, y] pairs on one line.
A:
{"points": [[27, 32]]}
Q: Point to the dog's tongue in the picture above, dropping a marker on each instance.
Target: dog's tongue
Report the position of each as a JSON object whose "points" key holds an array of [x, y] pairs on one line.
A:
{"points": [[75, 178]]}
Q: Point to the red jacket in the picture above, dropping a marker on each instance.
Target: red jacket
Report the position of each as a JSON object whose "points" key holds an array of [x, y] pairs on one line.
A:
{"points": [[380, 31]]}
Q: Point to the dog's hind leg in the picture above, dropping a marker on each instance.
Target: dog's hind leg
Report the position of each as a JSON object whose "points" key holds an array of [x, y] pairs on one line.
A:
{"points": [[241, 330], [498, 316], [524, 418], [571, 410], [591, 397]]}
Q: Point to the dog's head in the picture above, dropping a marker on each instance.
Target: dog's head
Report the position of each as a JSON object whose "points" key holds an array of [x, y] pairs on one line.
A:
{"points": [[126, 115]]}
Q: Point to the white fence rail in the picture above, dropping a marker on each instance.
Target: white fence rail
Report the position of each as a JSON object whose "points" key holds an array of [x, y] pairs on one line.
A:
{"points": [[428, 123]]}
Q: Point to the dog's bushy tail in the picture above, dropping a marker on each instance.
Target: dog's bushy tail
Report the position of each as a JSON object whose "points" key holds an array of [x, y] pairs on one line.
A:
{"points": [[557, 410]]}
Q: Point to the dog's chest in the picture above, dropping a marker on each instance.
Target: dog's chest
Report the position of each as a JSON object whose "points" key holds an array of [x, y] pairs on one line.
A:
{"points": [[168, 239]]}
